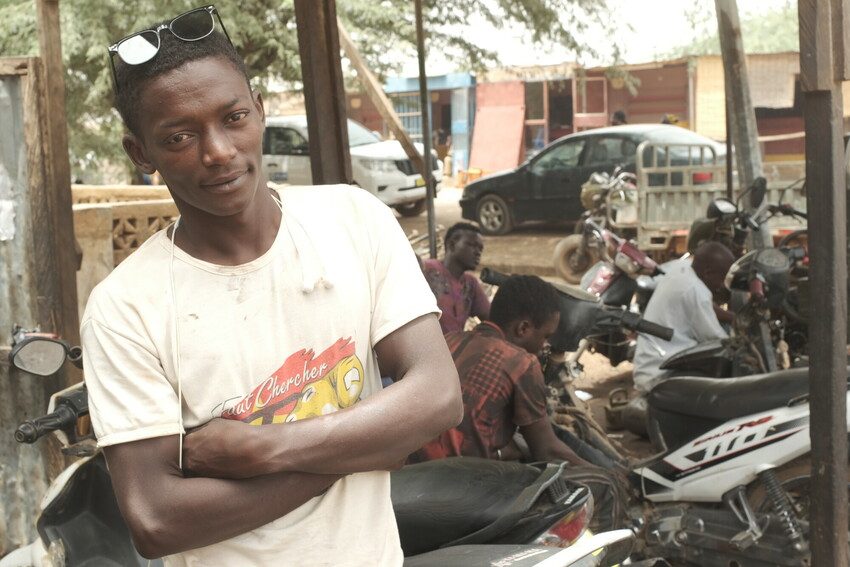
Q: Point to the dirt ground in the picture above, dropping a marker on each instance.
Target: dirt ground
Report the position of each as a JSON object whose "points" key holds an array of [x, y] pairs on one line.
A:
{"points": [[599, 379], [528, 250]]}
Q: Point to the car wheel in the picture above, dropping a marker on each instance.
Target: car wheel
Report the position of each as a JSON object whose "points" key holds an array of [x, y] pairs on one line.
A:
{"points": [[570, 262], [411, 209], [494, 216]]}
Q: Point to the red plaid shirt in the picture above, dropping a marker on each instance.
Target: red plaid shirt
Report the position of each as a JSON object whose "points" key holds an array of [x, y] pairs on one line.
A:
{"points": [[502, 388]]}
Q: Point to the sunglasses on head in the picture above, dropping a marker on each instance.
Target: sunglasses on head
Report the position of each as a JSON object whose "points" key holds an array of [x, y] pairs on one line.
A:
{"points": [[142, 46]]}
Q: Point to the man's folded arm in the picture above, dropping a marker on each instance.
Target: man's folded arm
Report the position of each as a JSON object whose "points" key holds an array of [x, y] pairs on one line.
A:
{"points": [[375, 434], [168, 513]]}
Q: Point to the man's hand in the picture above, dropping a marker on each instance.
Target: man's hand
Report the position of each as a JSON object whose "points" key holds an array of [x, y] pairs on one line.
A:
{"points": [[219, 449]]}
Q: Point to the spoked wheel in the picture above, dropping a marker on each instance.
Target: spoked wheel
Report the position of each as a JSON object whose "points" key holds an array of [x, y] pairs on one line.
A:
{"points": [[571, 262]]}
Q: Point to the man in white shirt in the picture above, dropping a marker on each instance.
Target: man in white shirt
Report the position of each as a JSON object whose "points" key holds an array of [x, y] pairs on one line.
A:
{"points": [[684, 302], [258, 324]]}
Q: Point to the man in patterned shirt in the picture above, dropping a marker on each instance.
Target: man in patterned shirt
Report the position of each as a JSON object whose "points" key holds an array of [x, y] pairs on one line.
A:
{"points": [[459, 295], [502, 381]]}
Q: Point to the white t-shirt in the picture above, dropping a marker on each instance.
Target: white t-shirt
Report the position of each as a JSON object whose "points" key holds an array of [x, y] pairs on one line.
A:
{"points": [[287, 336], [685, 304]]}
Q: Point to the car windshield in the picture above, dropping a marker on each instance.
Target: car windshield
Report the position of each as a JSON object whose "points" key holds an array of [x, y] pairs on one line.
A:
{"points": [[360, 136]]}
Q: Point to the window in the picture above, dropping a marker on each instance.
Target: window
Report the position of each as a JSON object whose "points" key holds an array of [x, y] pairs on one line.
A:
{"points": [[611, 151], [562, 156], [284, 142]]}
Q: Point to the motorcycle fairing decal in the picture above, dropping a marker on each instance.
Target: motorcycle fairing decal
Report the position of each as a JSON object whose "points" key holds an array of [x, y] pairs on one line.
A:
{"points": [[306, 385], [696, 457], [794, 423], [672, 473]]}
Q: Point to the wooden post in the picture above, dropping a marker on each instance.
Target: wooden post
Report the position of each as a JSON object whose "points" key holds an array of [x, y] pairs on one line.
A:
{"points": [[376, 95], [743, 117], [425, 103], [324, 92], [821, 72], [29, 291], [66, 321]]}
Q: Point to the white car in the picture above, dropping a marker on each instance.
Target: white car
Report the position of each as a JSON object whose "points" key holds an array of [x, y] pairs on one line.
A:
{"points": [[380, 167]]}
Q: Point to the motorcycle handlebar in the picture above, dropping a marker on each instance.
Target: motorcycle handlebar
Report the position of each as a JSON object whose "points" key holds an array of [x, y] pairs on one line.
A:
{"points": [[32, 430], [787, 210], [634, 322], [492, 277], [654, 329]]}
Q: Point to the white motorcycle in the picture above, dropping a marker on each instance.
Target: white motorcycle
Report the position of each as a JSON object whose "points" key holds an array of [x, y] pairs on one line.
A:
{"points": [[731, 485]]}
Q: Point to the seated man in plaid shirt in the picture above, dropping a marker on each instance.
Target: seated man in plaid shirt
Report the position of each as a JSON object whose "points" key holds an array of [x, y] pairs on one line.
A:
{"points": [[502, 381]]}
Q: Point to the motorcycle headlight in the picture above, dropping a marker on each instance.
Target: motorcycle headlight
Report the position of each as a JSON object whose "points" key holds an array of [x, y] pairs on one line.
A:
{"points": [[379, 165]]}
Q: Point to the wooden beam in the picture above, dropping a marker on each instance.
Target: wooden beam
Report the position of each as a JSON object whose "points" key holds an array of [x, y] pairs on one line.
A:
{"points": [[841, 35], [29, 295], [742, 113], [826, 203], [816, 65], [59, 173], [375, 92], [324, 92]]}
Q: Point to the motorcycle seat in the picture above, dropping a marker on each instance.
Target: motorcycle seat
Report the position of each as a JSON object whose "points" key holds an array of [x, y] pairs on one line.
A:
{"points": [[440, 501], [721, 399]]}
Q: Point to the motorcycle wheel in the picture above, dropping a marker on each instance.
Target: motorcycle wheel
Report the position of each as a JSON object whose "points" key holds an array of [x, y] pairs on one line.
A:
{"points": [[570, 263]]}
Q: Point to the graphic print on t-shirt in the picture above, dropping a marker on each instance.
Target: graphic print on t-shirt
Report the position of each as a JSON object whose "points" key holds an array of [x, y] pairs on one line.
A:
{"points": [[305, 386]]}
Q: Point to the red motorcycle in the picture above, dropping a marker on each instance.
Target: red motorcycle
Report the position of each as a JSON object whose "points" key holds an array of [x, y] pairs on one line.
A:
{"points": [[614, 278]]}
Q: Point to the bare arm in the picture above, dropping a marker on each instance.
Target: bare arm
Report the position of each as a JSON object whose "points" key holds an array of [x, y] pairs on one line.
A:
{"points": [[168, 513], [375, 434], [545, 445]]}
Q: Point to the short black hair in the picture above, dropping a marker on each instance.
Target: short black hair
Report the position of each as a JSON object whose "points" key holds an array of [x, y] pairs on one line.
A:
{"points": [[457, 228], [524, 297], [173, 53]]}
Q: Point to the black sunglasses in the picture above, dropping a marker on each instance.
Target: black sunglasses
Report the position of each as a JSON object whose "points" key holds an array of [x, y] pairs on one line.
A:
{"points": [[143, 46]]}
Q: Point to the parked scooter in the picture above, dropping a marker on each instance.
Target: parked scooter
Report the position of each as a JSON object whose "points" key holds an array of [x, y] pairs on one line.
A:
{"points": [[614, 280], [730, 485], [447, 510], [769, 290], [609, 200]]}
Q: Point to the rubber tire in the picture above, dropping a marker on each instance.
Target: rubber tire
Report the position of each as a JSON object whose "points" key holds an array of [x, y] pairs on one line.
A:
{"points": [[413, 209], [568, 263], [501, 221]]}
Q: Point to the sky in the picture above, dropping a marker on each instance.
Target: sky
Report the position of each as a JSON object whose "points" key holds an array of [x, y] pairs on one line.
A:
{"points": [[647, 29]]}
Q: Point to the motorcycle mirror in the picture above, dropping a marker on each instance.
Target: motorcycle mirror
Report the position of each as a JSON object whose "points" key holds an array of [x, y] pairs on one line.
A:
{"points": [[41, 356], [759, 189], [719, 207]]}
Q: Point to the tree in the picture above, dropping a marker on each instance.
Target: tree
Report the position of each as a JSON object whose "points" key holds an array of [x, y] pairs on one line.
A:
{"points": [[772, 31], [264, 33]]}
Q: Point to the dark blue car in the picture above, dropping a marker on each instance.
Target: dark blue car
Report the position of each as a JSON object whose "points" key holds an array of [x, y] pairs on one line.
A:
{"points": [[547, 187]]}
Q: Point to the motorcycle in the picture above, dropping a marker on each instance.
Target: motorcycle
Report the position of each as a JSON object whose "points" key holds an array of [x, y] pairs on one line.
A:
{"points": [[609, 201], [726, 222], [460, 511], [614, 280], [769, 290], [730, 484]]}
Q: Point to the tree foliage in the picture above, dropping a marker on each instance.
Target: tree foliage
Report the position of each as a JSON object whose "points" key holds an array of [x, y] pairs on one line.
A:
{"points": [[774, 31], [264, 33]]}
